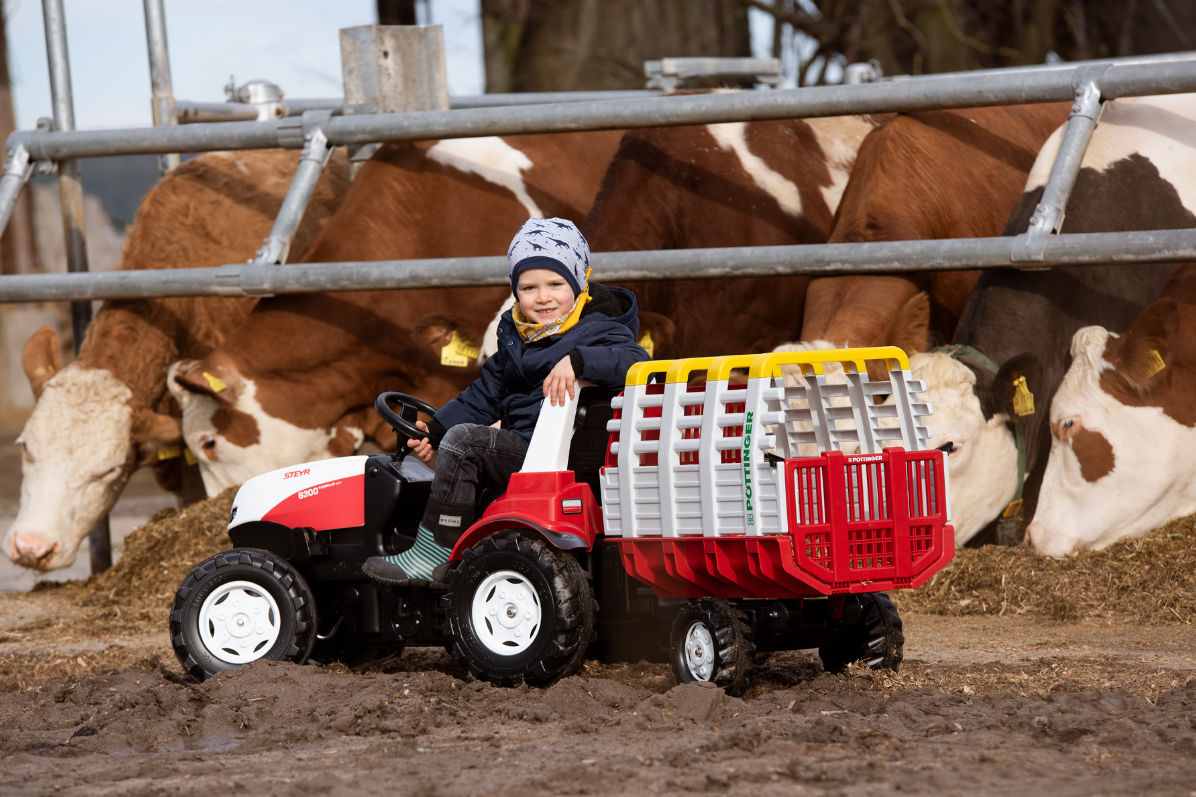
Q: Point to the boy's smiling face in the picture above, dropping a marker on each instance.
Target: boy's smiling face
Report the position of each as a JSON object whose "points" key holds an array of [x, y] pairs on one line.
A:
{"points": [[543, 295]]}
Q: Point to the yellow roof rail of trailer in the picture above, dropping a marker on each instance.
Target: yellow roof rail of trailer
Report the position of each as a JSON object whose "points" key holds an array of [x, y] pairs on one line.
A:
{"points": [[852, 360], [722, 367], [680, 370], [639, 373]]}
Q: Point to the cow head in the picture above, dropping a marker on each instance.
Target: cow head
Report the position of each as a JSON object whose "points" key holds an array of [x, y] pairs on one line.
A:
{"points": [[1121, 456], [983, 457], [224, 424], [240, 427], [79, 447]]}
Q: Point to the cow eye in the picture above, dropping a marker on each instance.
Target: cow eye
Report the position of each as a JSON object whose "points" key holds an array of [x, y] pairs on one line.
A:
{"points": [[208, 443], [1067, 423]]}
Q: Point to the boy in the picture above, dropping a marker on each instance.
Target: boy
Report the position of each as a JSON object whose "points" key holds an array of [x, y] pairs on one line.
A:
{"points": [[561, 328]]}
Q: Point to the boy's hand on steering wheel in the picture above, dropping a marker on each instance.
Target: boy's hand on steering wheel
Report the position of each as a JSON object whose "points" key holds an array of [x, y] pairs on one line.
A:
{"points": [[421, 448], [559, 382]]}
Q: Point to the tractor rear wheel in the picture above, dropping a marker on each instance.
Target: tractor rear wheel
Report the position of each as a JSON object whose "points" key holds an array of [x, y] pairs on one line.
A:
{"points": [[711, 641], [520, 610]]}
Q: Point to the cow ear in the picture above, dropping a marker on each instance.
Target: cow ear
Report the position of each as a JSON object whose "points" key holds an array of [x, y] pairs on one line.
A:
{"points": [[156, 428], [1145, 351], [656, 334], [448, 339], [188, 378], [41, 359], [1017, 387], [911, 327]]}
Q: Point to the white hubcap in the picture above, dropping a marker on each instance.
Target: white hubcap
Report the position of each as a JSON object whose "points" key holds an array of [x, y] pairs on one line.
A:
{"points": [[506, 613], [699, 652], [238, 622]]}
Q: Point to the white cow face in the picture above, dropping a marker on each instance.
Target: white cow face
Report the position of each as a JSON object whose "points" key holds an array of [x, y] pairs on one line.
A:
{"points": [[1115, 470], [233, 438], [983, 463], [78, 452]]}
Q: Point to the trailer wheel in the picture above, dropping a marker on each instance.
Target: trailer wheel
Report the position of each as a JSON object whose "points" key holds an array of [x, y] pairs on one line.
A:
{"points": [[711, 641], [239, 606], [876, 639], [520, 611]]}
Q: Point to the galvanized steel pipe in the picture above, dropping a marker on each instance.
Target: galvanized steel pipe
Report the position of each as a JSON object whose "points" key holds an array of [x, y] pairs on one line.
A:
{"points": [[162, 100], [924, 93], [315, 156], [17, 171], [70, 193], [883, 257]]}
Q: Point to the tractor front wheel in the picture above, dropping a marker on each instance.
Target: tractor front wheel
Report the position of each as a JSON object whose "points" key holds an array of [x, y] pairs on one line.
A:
{"points": [[239, 606]]}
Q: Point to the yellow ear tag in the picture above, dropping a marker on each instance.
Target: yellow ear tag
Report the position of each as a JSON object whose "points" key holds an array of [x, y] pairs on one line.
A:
{"points": [[50, 368], [188, 457], [459, 353], [169, 452], [1023, 399], [646, 343], [1156, 363], [214, 383]]}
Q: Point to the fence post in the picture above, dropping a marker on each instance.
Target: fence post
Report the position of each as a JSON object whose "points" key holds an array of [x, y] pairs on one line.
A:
{"points": [[70, 191], [392, 69], [159, 62], [1048, 214]]}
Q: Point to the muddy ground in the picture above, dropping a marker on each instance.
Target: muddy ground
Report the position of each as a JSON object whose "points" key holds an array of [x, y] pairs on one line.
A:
{"points": [[1021, 676], [982, 705]]}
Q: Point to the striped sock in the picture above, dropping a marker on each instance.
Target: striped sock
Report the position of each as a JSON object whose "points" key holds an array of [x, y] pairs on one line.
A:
{"points": [[419, 560]]}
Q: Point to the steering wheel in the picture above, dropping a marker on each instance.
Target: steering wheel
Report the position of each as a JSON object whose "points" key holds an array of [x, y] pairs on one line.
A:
{"points": [[404, 421]]}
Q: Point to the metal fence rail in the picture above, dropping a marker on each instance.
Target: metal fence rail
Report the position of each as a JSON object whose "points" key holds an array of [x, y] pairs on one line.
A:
{"points": [[256, 279], [960, 90]]}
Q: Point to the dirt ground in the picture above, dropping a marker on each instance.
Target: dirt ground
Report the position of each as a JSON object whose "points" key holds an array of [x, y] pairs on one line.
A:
{"points": [[983, 705], [1021, 676]]}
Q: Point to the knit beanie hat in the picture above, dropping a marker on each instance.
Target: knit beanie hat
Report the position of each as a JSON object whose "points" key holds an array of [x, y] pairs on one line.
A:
{"points": [[554, 244]]}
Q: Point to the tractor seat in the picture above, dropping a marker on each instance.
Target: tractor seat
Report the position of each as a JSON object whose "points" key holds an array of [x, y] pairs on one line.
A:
{"points": [[587, 450]]}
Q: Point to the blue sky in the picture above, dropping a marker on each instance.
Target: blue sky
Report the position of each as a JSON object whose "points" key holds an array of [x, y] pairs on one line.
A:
{"points": [[291, 42]]}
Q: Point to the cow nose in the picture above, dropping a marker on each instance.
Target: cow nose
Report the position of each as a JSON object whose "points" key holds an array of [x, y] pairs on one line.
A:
{"points": [[29, 550]]}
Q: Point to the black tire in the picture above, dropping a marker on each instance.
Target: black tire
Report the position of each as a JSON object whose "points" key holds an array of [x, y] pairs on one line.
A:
{"points": [[265, 574], [562, 597], [876, 639], [733, 652]]}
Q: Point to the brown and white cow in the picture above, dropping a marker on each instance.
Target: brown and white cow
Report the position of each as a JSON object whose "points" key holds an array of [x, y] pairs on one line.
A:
{"points": [[108, 413], [1123, 427], [1121, 422], [925, 175], [1136, 175], [726, 185], [297, 381]]}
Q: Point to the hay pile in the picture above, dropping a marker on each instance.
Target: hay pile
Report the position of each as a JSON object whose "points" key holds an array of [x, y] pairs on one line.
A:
{"points": [[1148, 580], [1151, 579], [156, 559]]}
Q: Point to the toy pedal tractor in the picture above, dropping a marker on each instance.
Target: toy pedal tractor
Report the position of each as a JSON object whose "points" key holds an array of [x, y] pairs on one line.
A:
{"points": [[676, 521]]}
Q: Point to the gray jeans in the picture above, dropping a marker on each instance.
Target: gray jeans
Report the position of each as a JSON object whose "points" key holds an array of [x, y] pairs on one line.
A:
{"points": [[470, 456]]}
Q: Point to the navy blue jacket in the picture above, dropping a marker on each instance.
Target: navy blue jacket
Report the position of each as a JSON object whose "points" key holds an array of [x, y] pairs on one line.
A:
{"points": [[511, 386]]}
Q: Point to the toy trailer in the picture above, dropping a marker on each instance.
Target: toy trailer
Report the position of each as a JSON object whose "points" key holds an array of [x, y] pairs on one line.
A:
{"points": [[700, 516]]}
